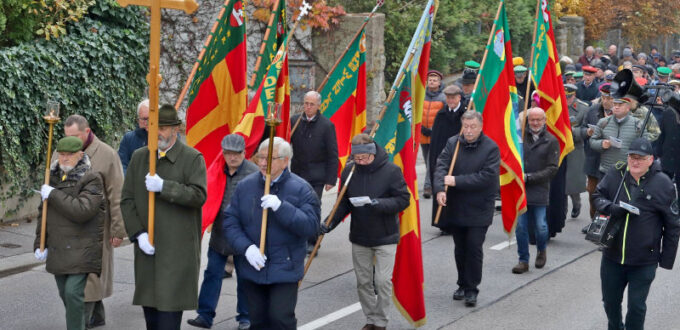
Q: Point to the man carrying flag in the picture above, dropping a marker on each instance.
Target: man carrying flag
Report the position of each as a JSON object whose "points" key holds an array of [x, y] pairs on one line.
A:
{"points": [[375, 196]]}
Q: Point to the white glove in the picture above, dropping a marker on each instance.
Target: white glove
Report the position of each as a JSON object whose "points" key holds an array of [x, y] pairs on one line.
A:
{"points": [[270, 201], [45, 191], [41, 255], [154, 183], [255, 258], [144, 245]]}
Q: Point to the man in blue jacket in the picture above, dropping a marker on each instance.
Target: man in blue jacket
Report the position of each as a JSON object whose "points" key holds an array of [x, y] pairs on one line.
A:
{"points": [[136, 139], [270, 280]]}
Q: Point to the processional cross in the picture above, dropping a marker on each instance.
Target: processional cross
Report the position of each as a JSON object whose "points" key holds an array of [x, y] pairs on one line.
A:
{"points": [[154, 80]]}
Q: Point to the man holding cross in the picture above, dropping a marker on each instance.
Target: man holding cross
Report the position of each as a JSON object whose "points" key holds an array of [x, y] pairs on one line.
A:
{"points": [[166, 272]]}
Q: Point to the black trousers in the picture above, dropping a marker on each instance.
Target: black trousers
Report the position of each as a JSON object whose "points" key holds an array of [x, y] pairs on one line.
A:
{"points": [[271, 306], [469, 255], [615, 277], [159, 320]]}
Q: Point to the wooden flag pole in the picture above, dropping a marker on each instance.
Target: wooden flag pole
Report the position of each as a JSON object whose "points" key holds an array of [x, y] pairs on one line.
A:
{"points": [[200, 56], [342, 192], [264, 40], [337, 62], [154, 80], [272, 121], [50, 119], [529, 76], [471, 106]]}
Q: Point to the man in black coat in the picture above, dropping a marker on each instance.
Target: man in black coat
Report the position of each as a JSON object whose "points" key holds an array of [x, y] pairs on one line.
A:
{"points": [[668, 144], [446, 124], [467, 197], [375, 196], [316, 149], [648, 235], [541, 156]]}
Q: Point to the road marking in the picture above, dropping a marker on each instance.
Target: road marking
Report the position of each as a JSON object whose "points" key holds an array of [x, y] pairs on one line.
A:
{"points": [[503, 245], [320, 322]]}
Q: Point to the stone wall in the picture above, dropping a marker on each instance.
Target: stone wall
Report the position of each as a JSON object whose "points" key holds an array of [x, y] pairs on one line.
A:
{"points": [[330, 45], [570, 36]]}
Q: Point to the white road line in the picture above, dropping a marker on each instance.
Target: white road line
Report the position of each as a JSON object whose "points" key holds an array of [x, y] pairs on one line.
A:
{"points": [[503, 245], [320, 322]]}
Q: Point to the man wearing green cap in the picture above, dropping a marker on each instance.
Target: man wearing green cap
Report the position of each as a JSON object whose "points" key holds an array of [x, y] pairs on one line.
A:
{"points": [[75, 218], [166, 273], [522, 82]]}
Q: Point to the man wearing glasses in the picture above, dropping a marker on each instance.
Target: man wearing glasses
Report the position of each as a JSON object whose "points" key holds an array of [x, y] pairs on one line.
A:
{"points": [[375, 195], [648, 236], [137, 138]]}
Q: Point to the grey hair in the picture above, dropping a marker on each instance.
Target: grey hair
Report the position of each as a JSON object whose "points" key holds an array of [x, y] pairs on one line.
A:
{"points": [[536, 110], [77, 120], [315, 94], [144, 103], [467, 115], [284, 148]]}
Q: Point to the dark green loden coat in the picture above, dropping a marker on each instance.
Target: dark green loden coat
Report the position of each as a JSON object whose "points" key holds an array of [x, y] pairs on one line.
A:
{"points": [[167, 280], [75, 220]]}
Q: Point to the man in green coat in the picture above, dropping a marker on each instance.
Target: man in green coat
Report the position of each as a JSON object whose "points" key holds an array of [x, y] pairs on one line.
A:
{"points": [[75, 219], [166, 274]]}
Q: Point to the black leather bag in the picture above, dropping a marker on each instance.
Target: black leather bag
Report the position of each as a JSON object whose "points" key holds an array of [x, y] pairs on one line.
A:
{"points": [[603, 230]]}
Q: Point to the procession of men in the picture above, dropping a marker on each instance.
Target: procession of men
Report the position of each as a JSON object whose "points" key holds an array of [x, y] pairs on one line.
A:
{"points": [[259, 199]]}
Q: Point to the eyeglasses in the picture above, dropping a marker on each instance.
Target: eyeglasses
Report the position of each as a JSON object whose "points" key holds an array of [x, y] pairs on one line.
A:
{"points": [[637, 158], [264, 158], [360, 158], [143, 118]]}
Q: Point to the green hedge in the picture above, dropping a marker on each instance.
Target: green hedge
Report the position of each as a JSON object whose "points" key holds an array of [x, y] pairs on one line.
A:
{"points": [[98, 70]]}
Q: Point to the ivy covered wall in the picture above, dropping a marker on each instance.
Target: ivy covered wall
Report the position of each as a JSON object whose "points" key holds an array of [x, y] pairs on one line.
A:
{"points": [[97, 70]]}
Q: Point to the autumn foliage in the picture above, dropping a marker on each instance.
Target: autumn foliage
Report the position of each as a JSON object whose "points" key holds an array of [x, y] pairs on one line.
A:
{"points": [[320, 16], [637, 19]]}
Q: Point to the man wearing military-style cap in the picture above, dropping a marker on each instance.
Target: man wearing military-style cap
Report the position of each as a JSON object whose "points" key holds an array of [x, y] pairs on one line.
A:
{"points": [[675, 57], [569, 77], [166, 273], [75, 219], [224, 173], [588, 89], [522, 81], [664, 74], [576, 183], [578, 77]]}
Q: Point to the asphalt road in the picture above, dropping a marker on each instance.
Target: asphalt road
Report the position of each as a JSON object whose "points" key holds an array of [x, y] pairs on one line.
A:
{"points": [[563, 295]]}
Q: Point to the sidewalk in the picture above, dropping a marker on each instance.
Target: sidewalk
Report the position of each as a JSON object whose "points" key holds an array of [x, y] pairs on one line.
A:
{"points": [[16, 247]]}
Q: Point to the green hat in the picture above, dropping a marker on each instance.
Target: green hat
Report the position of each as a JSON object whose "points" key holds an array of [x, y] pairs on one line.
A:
{"points": [[167, 116], [472, 64], [578, 74], [520, 68], [664, 71], [569, 73], [69, 144]]}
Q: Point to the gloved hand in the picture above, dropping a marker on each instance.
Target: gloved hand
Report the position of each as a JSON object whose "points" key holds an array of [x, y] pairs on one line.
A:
{"points": [[154, 183], [270, 201], [255, 258], [145, 245], [374, 202], [425, 131], [41, 255], [45, 191], [323, 230], [617, 212]]}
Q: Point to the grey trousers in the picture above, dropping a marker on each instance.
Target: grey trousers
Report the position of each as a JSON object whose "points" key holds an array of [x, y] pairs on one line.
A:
{"points": [[375, 307]]}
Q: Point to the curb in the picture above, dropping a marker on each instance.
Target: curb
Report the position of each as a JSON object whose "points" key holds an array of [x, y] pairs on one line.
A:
{"points": [[18, 264]]}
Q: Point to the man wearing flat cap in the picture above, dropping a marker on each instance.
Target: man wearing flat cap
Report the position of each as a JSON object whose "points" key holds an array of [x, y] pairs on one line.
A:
{"points": [[224, 173], [166, 273], [434, 101], [648, 234], [588, 89], [75, 223]]}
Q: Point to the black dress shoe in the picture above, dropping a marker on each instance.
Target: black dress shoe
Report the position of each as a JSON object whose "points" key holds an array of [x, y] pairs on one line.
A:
{"points": [[199, 322], [575, 212], [227, 274], [95, 323], [471, 299], [459, 294]]}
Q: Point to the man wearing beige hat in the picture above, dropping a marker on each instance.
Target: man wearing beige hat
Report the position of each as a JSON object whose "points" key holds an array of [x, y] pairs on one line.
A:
{"points": [[166, 273]]}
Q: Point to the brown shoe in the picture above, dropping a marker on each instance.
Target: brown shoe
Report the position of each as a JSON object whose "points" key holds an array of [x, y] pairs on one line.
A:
{"points": [[540, 259], [521, 268], [368, 327]]}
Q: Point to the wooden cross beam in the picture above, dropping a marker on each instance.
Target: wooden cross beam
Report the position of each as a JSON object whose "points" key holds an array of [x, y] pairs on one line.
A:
{"points": [[154, 80]]}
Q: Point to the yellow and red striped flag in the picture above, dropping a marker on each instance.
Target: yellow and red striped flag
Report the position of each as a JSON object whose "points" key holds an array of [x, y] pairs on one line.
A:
{"points": [[218, 93], [547, 76]]}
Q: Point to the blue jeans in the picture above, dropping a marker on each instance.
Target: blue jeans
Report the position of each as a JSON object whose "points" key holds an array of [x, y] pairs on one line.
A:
{"points": [[536, 212], [212, 286]]}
